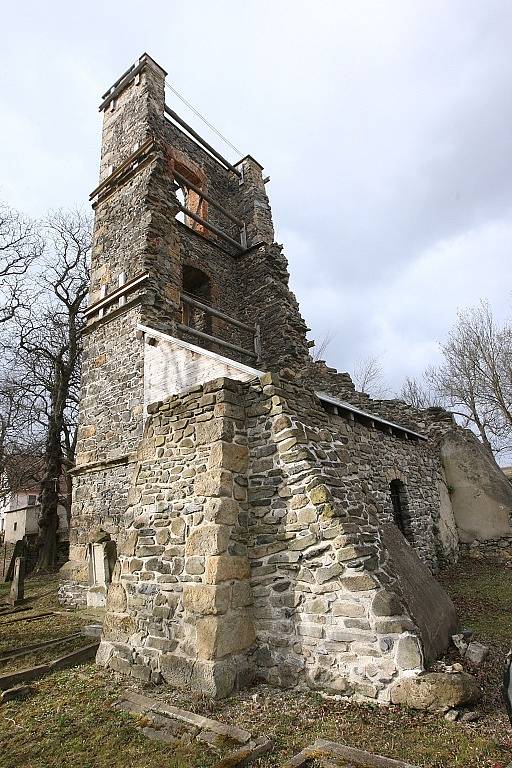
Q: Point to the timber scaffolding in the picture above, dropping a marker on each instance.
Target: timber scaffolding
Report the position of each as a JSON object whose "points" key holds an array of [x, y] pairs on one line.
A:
{"points": [[181, 180], [254, 330], [119, 175], [241, 246]]}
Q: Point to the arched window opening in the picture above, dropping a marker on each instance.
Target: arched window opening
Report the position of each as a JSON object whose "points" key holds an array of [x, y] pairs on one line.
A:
{"points": [[196, 284], [188, 197], [400, 503]]}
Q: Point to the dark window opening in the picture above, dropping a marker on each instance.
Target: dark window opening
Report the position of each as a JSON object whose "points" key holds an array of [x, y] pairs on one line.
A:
{"points": [[32, 500], [196, 284], [400, 503]]}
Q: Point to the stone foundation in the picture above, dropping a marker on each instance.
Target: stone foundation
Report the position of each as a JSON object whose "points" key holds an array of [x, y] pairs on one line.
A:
{"points": [[498, 549]]}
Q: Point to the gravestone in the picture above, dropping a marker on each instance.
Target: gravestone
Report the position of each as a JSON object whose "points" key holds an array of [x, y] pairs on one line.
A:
{"points": [[18, 582], [99, 573]]}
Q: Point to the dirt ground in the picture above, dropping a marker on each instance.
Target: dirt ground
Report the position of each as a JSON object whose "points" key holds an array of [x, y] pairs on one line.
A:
{"points": [[70, 717]]}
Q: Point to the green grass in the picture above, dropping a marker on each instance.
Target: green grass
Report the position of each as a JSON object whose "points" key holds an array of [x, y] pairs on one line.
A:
{"points": [[71, 719], [483, 595]]}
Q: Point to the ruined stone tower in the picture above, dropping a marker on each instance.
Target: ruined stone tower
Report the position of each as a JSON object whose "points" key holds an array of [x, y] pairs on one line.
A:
{"points": [[243, 510]]}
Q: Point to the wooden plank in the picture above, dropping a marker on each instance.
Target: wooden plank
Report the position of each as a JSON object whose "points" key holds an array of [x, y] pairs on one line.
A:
{"points": [[148, 144], [359, 757], [214, 340], [115, 294], [206, 197], [17, 692], [33, 673], [28, 618], [23, 676], [246, 755], [15, 653], [170, 368], [161, 708], [301, 759], [121, 85], [152, 333], [211, 227], [202, 141], [216, 313]]}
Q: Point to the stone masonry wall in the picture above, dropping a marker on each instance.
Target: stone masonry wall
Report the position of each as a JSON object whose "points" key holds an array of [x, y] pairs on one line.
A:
{"points": [[136, 234], [327, 605], [237, 480], [178, 604]]}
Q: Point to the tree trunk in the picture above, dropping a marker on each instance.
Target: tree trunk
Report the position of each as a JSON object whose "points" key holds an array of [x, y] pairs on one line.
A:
{"points": [[50, 486]]}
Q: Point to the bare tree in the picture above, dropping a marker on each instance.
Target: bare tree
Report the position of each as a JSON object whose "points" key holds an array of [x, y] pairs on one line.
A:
{"points": [[21, 440], [419, 395], [318, 351], [46, 357], [474, 378], [19, 247], [368, 377]]}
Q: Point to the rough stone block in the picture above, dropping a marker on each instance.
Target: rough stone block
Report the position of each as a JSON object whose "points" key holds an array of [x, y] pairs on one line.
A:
{"points": [[206, 599], [226, 568], [476, 653], [241, 594], [328, 572], [212, 678], [118, 627], [437, 691], [320, 494], [386, 603], [194, 566], [128, 542], [408, 653], [221, 510], [359, 583], [116, 598], [231, 456], [208, 432], [348, 609], [214, 482], [207, 539], [221, 636]]}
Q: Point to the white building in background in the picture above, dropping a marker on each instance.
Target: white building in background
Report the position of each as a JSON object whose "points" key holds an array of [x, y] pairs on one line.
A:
{"points": [[19, 500]]}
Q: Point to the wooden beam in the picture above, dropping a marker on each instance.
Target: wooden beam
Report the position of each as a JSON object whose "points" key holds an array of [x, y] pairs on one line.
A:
{"points": [[202, 141], [124, 165], [101, 303], [211, 227], [214, 340], [216, 313], [121, 85], [206, 197]]}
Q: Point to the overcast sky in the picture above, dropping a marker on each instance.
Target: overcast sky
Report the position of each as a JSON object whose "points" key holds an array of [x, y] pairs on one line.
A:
{"points": [[385, 128]]}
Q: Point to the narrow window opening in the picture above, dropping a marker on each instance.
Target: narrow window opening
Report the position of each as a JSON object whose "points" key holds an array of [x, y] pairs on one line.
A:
{"points": [[400, 503]]}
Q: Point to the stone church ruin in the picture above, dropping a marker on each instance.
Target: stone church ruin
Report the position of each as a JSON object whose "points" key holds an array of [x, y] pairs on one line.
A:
{"points": [[242, 510]]}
